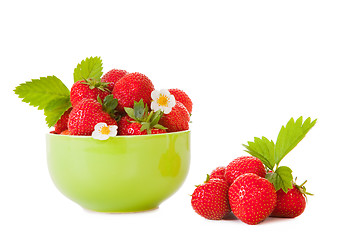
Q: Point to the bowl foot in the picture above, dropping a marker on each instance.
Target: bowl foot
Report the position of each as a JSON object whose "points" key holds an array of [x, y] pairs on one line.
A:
{"points": [[122, 212]]}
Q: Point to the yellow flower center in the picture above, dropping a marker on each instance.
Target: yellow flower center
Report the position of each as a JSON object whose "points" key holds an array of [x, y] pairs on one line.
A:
{"points": [[163, 100], [105, 130]]}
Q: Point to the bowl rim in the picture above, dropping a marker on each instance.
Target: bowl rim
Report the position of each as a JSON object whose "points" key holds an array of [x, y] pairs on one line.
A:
{"points": [[119, 136]]}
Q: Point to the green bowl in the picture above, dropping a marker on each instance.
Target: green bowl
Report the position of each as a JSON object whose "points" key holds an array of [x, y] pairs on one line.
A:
{"points": [[121, 174]]}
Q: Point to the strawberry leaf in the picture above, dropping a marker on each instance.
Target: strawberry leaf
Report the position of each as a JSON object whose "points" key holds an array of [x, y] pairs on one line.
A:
{"points": [[89, 68], [290, 135], [55, 109], [281, 178], [262, 149], [48, 93], [40, 92]]}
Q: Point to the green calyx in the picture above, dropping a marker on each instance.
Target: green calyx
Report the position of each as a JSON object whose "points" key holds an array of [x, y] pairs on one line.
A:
{"points": [[271, 153], [302, 189], [96, 83], [206, 180], [109, 105], [140, 113]]}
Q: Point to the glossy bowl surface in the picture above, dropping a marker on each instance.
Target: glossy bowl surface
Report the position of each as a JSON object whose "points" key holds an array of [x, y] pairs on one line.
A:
{"points": [[121, 174]]}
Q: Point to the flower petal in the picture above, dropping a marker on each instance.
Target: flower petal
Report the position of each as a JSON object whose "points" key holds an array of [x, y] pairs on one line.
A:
{"points": [[113, 130], [165, 92], [99, 136], [154, 106], [172, 101], [99, 125], [167, 110], [155, 95]]}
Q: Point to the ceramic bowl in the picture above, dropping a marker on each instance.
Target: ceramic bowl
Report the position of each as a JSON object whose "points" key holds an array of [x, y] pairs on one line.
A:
{"points": [[121, 174]]}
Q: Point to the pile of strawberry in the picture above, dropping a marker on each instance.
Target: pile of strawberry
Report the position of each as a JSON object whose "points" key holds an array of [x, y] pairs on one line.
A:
{"points": [[256, 187], [117, 98]]}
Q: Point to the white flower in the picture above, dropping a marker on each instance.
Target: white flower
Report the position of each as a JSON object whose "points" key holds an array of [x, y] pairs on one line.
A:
{"points": [[103, 131], [162, 100]]}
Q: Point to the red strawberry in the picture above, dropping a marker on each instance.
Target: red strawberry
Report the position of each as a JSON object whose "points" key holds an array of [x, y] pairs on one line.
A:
{"points": [[135, 129], [210, 200], [157, 131], [177, 120], [88, 88], [245, 164], [112, 77], [218, 172], [65, 132], [252, 198], [62, 123], [292, 203], [140, 122], [87, 113], [123, 123], [133, 87], [182, 97]]}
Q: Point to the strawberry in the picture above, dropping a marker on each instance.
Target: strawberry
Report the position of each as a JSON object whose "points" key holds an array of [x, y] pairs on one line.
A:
{"points": [[177, 120], [62, 124], [65, 132], [89, 88], [218, 172], [88, 112], [241, 165], [182, 97], [157, 131], [210, 200], [123, 123], [135, 129], [292, 203], [133, 87], [112, 76], [252, 198], [140, 122]]}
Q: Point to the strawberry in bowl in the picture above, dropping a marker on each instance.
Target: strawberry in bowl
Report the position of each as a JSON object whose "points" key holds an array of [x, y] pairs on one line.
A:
{"points": [[114, 147]]}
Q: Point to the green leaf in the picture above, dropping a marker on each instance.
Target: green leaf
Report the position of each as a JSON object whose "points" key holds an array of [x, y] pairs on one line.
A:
{"points": [[109, 104], [262, 149], [130, 112], [158, 126], [55, 109], [282, 178], [40, 92], [155, 118], [88, 68], [145, 125], [48, 93], [140, 111], [290, 135]]}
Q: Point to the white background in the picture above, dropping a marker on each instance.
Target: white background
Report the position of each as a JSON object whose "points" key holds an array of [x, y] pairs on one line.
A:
{"points": [[249, 66]]}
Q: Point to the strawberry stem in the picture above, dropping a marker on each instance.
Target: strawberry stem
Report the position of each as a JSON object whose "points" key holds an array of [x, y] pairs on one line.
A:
{"points": [[303, 184], [150, 115]]}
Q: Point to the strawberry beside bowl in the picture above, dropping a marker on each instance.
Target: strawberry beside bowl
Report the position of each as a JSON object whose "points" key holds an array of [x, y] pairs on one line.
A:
{"points": [[121, 174]]}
